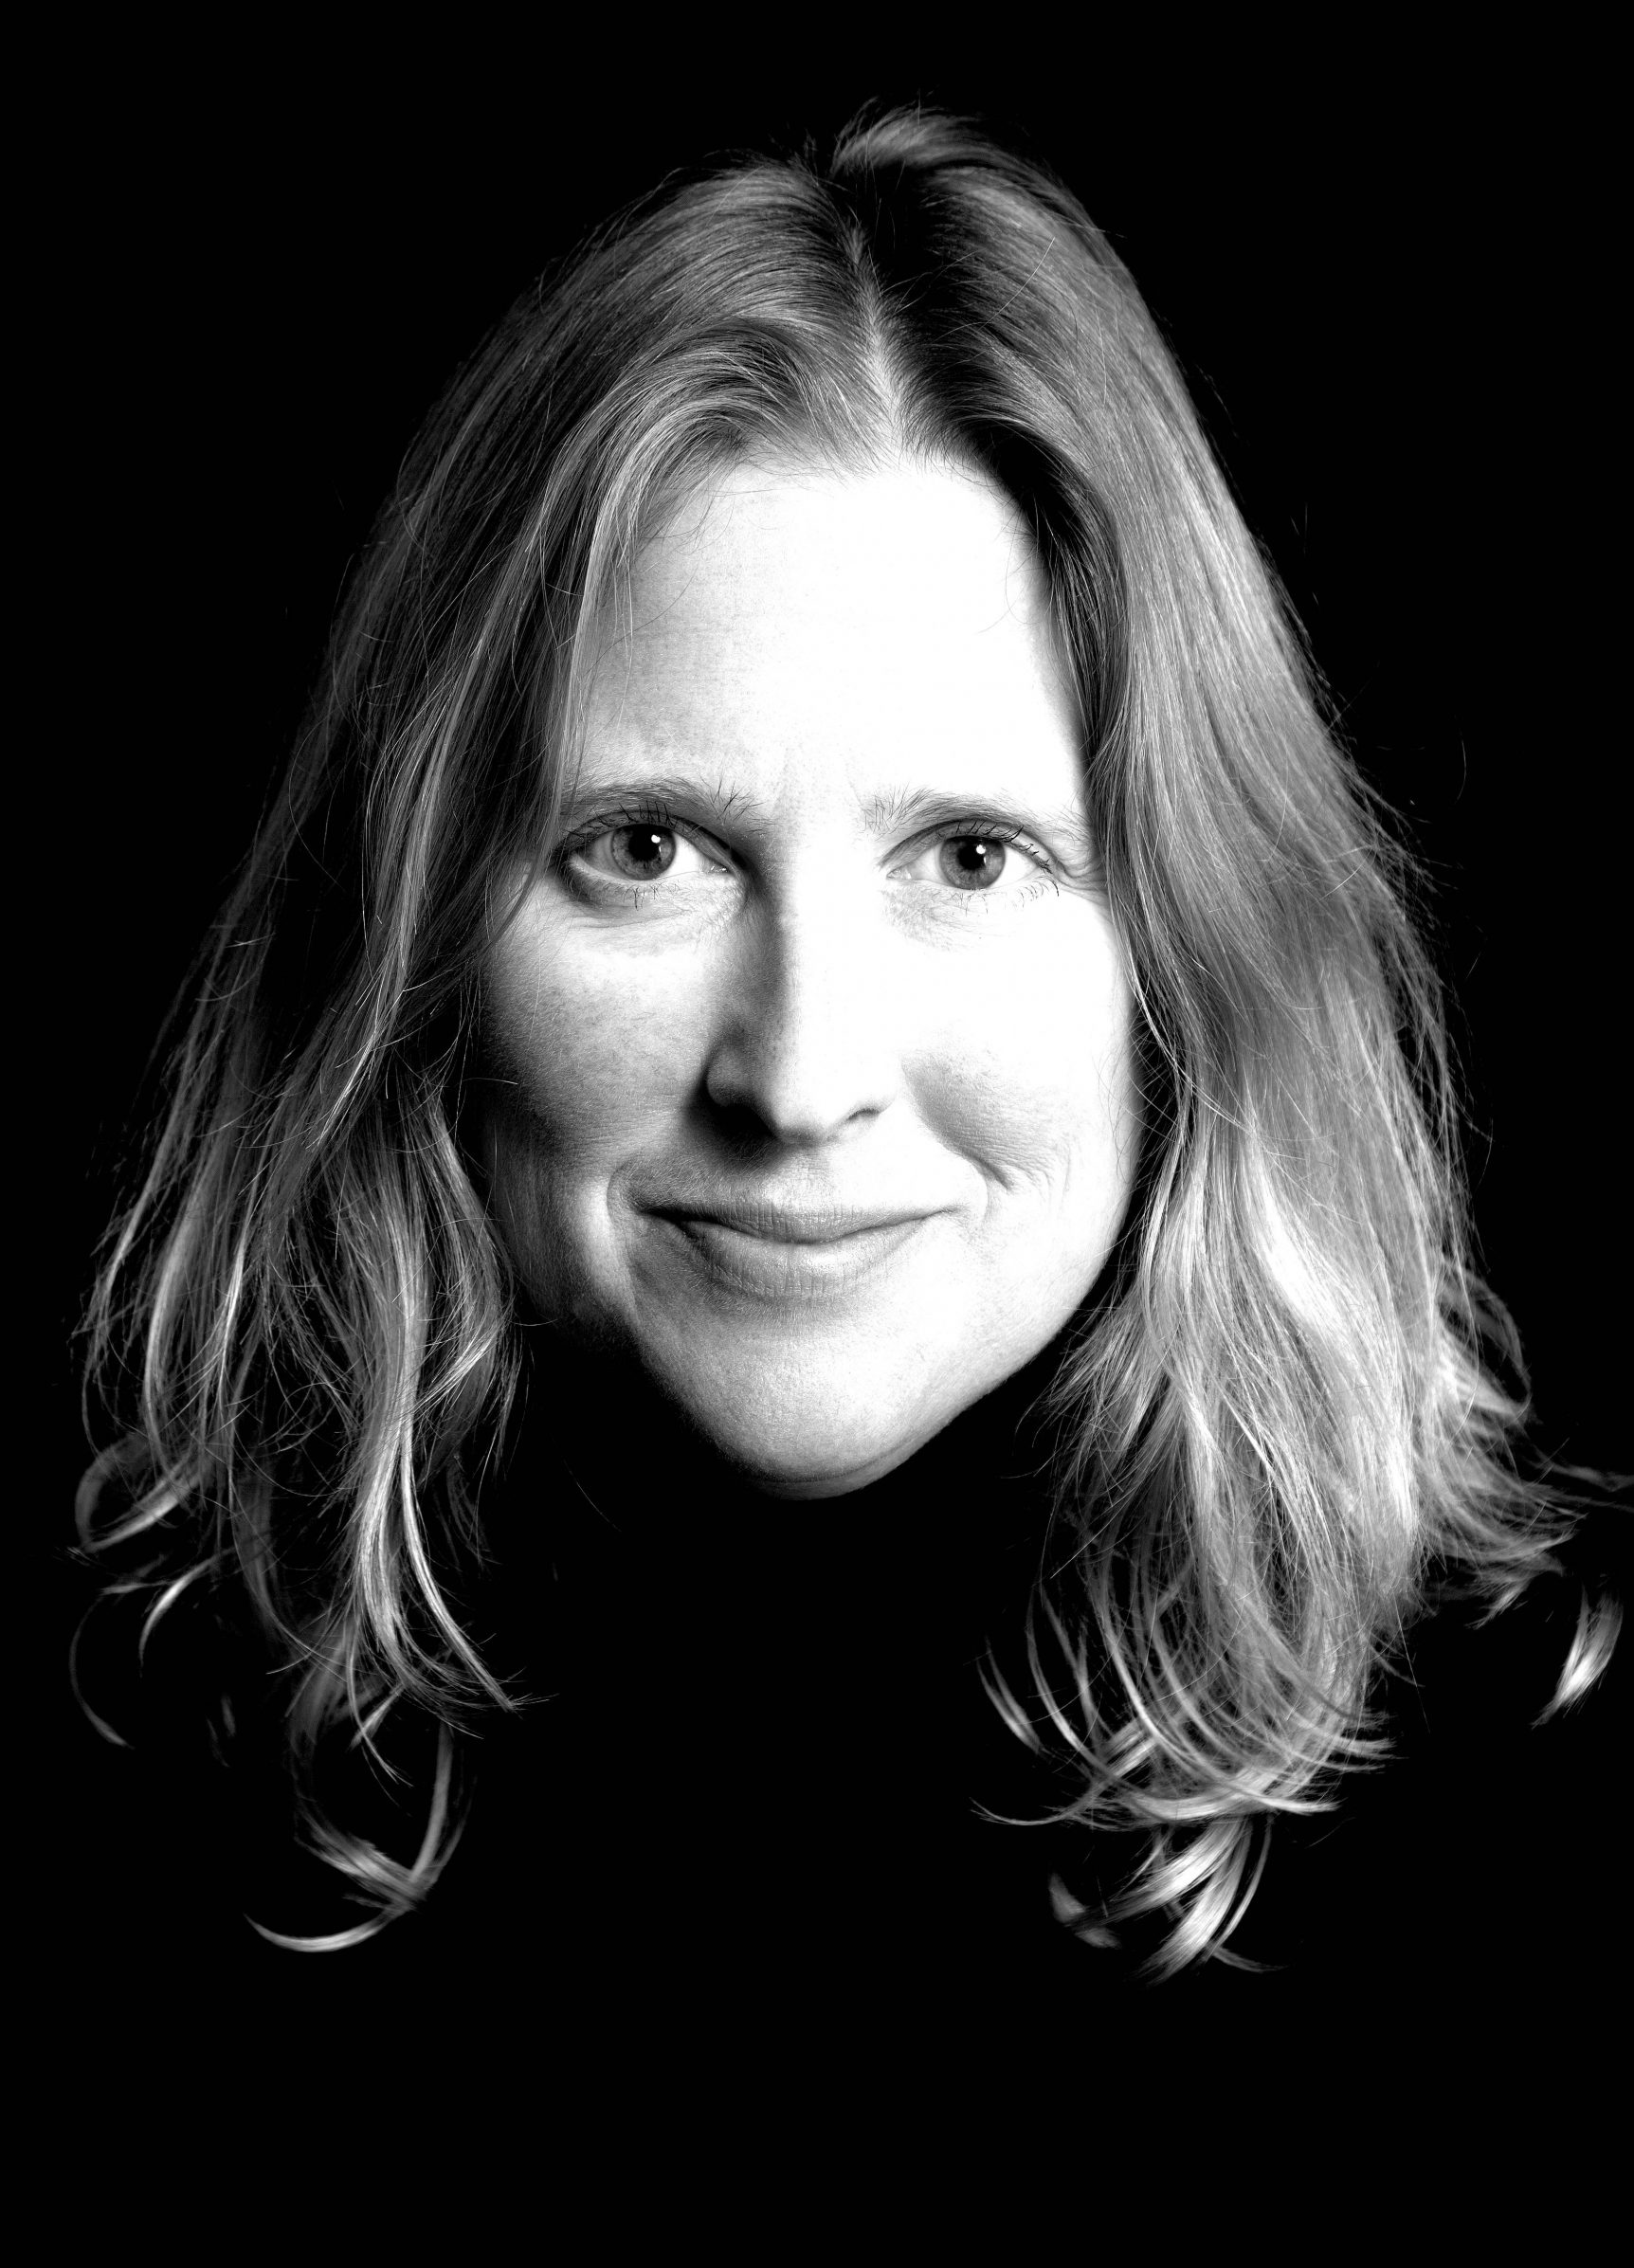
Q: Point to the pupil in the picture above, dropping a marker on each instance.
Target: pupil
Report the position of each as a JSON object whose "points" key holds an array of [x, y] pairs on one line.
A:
{"points": [[642, 851], [971, 862]]}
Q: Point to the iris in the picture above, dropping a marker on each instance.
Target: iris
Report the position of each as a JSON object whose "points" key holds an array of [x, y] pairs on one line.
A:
{"points": [[643, 852], [973, 863]]}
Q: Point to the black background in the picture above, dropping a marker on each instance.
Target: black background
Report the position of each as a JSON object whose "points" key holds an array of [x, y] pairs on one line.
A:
{"points": [[1387, 277]]}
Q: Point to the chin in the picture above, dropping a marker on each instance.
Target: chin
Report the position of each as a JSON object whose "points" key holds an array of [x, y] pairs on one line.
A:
{"points": [[808, 1485], [803, 1446]]}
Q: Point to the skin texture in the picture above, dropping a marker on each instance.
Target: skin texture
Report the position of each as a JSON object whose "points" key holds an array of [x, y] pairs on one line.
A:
{"points": [[755, 994]]}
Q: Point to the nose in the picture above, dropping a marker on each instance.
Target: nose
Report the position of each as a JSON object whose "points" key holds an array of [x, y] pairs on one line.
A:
{"points": [[806, 1038]]}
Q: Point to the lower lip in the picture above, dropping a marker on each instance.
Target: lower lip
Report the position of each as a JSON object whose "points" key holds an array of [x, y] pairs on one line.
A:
{"points": [[771, 1268]]}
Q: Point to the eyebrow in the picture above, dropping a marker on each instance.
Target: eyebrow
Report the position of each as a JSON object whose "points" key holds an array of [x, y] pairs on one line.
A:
{"points": [[583, 799], [889, 814]]}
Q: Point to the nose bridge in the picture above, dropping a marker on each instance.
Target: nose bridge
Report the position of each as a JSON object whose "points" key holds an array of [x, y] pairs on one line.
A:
{"points": [[808, 1040]]}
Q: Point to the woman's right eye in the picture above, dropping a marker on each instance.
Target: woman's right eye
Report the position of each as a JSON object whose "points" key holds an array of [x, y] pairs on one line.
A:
{"points": [[637, 852]]}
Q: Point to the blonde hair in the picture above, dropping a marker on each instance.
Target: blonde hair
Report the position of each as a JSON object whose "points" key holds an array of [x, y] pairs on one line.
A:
{"points": [[1282, 1425]]}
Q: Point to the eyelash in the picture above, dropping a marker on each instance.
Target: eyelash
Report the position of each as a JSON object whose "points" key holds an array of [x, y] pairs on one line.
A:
{"points": [[975, 823]]}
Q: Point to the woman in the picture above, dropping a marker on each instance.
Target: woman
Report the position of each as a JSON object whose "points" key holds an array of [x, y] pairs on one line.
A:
{"points": [[817, 1130]]}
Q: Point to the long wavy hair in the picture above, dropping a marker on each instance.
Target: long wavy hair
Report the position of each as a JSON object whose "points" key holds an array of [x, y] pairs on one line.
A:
{"points": [[1288, 1409]]}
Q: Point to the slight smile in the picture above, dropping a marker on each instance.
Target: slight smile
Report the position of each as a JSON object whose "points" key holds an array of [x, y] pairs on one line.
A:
{"points": [[775, 1255]]}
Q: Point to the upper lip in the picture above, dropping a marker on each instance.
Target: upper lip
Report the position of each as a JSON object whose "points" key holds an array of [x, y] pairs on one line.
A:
{"points": [[780, 1223]]}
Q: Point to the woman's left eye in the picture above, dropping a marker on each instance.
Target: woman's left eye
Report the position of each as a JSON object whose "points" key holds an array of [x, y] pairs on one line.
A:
{"points": [[978, 859]]}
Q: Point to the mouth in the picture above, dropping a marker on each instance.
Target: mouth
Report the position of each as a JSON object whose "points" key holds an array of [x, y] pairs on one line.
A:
{"points": [[772, 1253], [783, 1225]]}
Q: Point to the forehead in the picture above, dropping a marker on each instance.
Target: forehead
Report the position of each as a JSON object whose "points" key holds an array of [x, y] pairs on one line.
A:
{"points": [[892, 624]]}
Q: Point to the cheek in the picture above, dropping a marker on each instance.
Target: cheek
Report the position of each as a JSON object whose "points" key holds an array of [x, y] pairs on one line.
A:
{"points": [[591, 1052], [1035, 1069]]}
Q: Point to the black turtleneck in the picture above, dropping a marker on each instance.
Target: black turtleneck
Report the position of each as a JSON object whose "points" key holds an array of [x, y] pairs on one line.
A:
{"points": [[767, 1733], [763, 1768]]}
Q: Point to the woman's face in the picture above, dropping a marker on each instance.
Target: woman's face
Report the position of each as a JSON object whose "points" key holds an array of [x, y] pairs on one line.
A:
{"points": [[810, 1050]]}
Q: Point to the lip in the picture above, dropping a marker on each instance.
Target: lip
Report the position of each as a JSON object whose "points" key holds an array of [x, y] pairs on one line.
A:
{"points": [[772, 1254], [784, 1224]]}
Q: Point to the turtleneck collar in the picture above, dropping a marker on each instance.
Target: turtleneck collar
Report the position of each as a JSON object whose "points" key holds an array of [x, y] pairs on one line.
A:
{"points": [[606, 1489]]}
